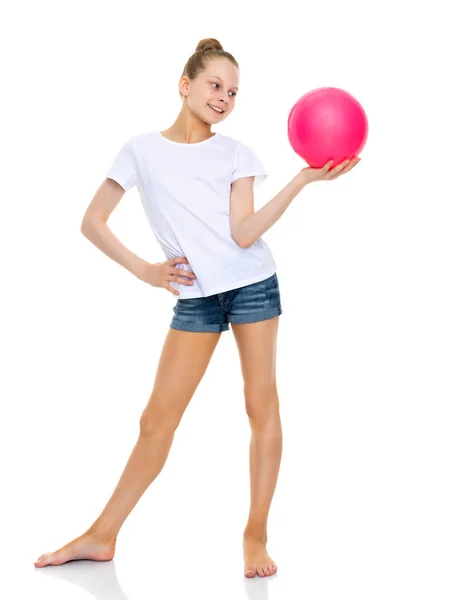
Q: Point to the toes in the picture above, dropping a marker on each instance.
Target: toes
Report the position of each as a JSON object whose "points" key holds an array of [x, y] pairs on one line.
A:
{"points": [[58, 558], [262, 571], [43, 559], [250, 572]]}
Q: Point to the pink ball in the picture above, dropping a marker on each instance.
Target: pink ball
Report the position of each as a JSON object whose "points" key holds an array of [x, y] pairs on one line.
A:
{"points": [[327, 124]]}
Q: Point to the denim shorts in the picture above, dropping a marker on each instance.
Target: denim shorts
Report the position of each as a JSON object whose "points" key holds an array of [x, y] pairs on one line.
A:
{"points": [[248, 304]]}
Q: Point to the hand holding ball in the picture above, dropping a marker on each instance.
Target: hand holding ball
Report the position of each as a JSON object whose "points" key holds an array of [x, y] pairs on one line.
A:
{"points": [[327, 125]]}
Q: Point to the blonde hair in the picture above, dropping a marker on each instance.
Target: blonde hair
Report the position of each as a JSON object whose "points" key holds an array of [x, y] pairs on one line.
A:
{"points": [[207, 49]]}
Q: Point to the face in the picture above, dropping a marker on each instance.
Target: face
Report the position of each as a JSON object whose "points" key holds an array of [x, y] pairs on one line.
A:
{"points": [[216, 86]]}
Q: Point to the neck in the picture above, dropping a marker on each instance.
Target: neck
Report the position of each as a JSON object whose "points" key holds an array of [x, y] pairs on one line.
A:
{"points": [[188, 129]]}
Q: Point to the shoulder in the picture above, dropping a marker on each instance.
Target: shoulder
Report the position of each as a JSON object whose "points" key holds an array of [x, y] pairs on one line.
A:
{"points": [[237, 147], [231, 141], [143, 141], [145, 137]]}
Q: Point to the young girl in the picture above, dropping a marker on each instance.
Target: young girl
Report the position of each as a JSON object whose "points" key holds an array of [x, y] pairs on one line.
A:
{"points": [[197, 190]]}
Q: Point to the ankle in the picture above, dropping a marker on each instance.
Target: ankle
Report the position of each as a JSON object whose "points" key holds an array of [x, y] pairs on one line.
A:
{"points": [[102, 535], [255, 535]]}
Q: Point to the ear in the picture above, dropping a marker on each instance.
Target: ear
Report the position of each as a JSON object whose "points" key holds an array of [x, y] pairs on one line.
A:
{"points": [[184, 85]]}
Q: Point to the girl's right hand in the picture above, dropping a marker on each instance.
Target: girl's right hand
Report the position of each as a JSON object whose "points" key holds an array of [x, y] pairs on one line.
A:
{"points": [[326, 173], [163, 273]]}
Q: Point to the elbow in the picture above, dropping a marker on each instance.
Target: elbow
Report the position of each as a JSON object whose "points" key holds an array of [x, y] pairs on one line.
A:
{"points": [[243, 243], [88, 224], [240, 242], [84, 227], [242, 233]]}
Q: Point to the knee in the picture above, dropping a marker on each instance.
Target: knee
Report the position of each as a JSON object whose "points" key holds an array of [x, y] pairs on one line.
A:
{"points": [[261, 402], [156, 421]]}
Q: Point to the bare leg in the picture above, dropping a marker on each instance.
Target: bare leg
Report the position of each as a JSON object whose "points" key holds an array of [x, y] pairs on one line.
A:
{"points": [[184, 359], [265, 457], [257, 349]]}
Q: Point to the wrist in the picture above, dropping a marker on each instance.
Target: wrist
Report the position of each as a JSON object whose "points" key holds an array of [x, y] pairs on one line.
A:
{"points": [[139, 267], [301, 180]]}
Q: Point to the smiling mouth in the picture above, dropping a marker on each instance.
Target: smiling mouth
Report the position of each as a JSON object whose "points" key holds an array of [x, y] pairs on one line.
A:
{"points": [[218, 111]]}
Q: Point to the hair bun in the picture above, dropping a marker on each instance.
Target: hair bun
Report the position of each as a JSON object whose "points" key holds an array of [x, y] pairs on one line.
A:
{"points": [[208, 44]]}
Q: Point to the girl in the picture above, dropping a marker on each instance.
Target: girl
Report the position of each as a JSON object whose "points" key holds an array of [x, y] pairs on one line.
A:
{"points": [[197, 190]]}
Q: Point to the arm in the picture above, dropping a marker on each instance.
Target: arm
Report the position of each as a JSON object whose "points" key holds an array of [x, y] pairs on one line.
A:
{"points": [[101, 236], [94, 227], [248, 226]]}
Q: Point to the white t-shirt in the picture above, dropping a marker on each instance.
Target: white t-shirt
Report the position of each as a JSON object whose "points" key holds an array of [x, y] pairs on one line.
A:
{"points": [[185, 192]]}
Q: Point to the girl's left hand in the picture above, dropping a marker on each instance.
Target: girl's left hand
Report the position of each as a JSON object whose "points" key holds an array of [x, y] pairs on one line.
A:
{"points": [[326, 173]]}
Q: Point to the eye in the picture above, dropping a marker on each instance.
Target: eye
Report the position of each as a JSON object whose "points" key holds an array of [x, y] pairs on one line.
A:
{"points": [[218, 84]]}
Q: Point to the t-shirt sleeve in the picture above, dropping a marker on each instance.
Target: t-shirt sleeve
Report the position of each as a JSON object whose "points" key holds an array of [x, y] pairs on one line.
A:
{"points": [[247, 164], [123, 168]]}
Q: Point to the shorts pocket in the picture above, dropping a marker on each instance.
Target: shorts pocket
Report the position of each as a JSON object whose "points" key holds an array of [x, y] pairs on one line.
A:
{"points": [[189, 303]]}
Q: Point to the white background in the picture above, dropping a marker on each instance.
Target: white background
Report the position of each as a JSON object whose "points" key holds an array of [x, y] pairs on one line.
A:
{"points": [[361, 506]]}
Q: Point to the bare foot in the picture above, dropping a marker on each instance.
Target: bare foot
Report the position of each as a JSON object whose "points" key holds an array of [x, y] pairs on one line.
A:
{"points": [[257, 561], [87, 547]]}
